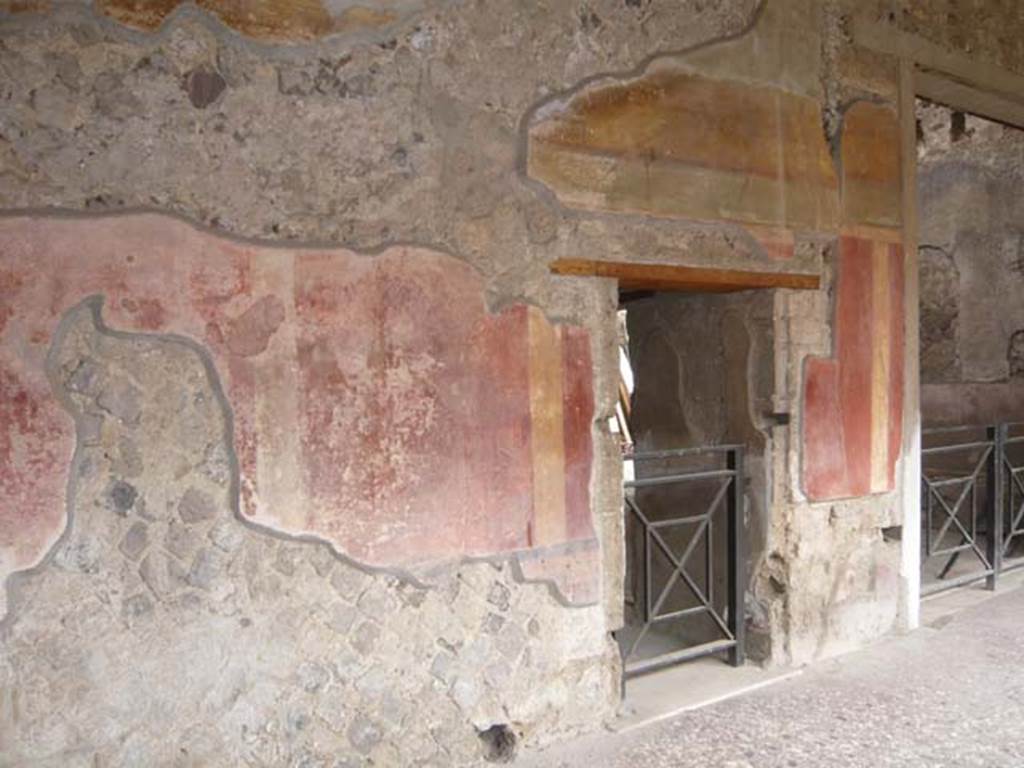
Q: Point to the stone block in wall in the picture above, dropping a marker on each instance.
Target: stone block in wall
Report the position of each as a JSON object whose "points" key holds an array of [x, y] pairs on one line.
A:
{"points": [[853, 400], [678, 144], [377, 403]]}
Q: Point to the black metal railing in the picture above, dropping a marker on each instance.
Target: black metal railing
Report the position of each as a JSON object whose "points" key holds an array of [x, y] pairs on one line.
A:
{"points": [[674, 511], [972, 504], [1012, 495]]}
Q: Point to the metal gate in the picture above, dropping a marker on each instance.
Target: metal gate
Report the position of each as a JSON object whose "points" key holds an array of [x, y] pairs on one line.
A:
{"points": [[688, 522], [972, 504]]}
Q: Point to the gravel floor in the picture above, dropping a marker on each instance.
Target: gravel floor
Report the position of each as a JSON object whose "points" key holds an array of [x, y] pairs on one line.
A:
{"points": [[952, 696]]}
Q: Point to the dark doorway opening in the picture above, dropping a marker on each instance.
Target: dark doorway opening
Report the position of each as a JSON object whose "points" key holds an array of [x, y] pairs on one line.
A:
{"points": [[693, 417], [971, 261]]}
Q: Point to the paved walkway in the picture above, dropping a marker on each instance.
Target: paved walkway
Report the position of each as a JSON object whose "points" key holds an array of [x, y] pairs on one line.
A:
{"points": [[952, 696]]}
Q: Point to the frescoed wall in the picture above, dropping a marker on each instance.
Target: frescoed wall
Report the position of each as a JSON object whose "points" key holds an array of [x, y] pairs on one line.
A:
{"points": [[854, 400], [378, 405]]}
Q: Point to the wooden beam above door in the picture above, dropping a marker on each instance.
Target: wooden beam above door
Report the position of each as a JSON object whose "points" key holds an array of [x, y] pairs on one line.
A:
{"points": [[669, 277]]}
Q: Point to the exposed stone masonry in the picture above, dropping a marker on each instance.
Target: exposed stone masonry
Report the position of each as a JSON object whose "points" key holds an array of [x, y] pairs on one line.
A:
{"points": [[191, 638]]}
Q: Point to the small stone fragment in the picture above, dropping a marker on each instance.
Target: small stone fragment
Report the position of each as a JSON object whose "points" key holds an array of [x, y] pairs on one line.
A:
{"points": [[341, 618], [85, 379], [312, 676], [129, 461], [498, 596], [497, 674], [122, 400], [80, 555], [180, 540], [154, 574], [322, 559], [204, 86], [122, 497], [331, 709], [216, 465], [377, 602], [511, 641], [196, 506], [443, 667], [348, 581], [365, 637], [204, 570], [492, 623], [135, 541], [285, 561], [227, 536], [411, 595], [466, 693], [373, 684], [137, 605], [364, 734]]}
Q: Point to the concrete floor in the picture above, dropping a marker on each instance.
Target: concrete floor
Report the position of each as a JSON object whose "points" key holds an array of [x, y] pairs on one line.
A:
{"points": [[951, 694]]}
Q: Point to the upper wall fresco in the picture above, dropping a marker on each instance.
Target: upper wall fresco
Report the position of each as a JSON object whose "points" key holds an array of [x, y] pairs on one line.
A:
{"points": [[682, 145], [708, 136], [377, 403], [733, 132], [285, 21], [870, 165]]}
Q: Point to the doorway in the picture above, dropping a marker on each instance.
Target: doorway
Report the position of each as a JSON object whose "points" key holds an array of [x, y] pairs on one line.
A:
{"points": [[971, 275], [697, 377]]}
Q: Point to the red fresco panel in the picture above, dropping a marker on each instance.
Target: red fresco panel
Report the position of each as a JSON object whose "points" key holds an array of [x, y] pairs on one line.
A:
{"points": [[412, 400], [837, 391], [377, 403]]}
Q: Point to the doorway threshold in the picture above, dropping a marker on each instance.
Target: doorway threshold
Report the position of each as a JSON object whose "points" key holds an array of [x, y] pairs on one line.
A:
{"points": [[684, 687]]}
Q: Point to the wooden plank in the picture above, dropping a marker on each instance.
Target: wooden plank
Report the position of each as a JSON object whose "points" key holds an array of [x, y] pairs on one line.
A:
{"points": [[966, 98], [951, 78], [669, 277]]}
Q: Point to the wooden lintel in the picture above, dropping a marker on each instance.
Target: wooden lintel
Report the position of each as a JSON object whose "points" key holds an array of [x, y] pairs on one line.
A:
{"points": [[668, 277]]}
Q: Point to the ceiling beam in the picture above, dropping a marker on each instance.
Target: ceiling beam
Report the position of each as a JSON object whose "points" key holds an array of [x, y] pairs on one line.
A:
{"points": [[954, 79], [669, 277]]}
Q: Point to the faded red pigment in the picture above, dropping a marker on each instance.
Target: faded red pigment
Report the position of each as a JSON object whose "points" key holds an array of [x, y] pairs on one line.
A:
{"points": [[852, 436], [377, 403]]}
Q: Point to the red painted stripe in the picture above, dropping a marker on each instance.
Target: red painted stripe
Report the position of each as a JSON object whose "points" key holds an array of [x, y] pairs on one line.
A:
{"points": [[577, 415], [855, 344], [896, 340]]}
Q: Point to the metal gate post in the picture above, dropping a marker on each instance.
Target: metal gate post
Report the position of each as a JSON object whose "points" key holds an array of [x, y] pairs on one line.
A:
{"points": [[736, 560], [996, 481]]}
